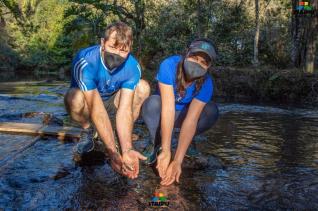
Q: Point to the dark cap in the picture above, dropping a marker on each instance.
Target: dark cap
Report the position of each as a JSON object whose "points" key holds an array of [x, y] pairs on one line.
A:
{"points": [[204, 47]]}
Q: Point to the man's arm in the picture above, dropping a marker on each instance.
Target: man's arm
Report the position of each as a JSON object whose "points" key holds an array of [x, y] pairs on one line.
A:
{"points": [[100, 119], [124, 119], [124, 125]]}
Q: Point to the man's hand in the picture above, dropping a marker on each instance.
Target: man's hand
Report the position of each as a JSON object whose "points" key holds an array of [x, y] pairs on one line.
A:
{"points": [[131, 163], [116, 162], [163, 161], [173, 173]]}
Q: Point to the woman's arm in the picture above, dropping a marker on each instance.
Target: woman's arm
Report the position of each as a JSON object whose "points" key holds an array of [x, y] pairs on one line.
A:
{"points": [[167, 114], [167, 123], [187, 132], [188, 129]]}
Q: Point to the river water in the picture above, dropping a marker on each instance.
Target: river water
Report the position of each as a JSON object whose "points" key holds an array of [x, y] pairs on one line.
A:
{"points": [[260, 157]]}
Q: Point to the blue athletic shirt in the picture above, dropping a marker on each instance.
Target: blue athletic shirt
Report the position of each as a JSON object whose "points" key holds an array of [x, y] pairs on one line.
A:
{"points": [[167, 74], [89, 72]]}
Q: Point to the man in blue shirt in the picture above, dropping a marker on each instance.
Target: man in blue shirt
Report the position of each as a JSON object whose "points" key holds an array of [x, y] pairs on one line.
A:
{"points": [[104, 72]]}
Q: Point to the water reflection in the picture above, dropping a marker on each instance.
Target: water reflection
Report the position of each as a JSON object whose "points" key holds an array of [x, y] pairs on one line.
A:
{"points": [[269, 155], [271, 163]]}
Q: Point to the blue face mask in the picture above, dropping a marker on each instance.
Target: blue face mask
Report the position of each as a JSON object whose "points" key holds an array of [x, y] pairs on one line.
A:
{"points": [[193, 70]]}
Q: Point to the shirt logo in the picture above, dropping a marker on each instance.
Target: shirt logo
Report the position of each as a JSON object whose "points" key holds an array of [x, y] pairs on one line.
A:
{"points": [[178, 98]]}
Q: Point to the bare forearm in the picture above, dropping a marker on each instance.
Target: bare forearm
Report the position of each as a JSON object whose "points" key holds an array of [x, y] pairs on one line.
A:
{"points": [[186, 135], [103, 125], [124, 125], [167, 115], [167, 122]]}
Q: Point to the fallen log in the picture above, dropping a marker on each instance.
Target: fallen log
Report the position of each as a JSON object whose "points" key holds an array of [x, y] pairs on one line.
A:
{"points": [[39, 129]]}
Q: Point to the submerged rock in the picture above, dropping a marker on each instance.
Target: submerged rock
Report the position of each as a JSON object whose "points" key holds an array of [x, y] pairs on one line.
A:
{"points": [[202, 162]]}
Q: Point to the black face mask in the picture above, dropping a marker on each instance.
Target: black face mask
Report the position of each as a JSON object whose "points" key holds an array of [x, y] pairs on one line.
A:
{"points": [[193, 70], [112, 61]]}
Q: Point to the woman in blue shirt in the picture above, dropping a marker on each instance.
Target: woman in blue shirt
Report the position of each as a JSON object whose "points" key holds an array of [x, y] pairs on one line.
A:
{"points": [[183, 100]]}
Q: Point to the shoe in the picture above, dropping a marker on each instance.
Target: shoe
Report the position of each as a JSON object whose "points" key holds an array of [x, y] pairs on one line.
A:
{"points": [[195, 159], [86, 143], [151, 152], [192, 151]]}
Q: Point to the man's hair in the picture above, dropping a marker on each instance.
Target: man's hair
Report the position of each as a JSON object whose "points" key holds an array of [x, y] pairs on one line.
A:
{"points": [[124, 34]]}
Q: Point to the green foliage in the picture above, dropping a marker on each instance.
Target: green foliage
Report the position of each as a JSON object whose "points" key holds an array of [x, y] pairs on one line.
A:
{"points": [[36, 33], [43, 35], [8, 58]]}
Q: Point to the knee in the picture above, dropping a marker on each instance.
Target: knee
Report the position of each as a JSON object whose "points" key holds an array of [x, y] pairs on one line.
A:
{"points": [[74, 100], [152, 105], [208, 117], [143, 89], [211, 113]]}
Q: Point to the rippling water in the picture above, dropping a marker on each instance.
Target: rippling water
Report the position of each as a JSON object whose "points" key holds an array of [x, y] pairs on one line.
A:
{"points": [[269, 156]]}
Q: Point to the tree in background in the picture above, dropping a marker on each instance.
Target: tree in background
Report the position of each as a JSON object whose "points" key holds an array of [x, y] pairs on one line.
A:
{"points": [[44, 34], [97, 14], [304, 34], [257, 31], [35, 28]]}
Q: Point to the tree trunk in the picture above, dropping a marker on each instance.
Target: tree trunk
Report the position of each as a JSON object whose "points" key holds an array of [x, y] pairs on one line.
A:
{"points": [[140, 23], [199, 18], [257, 32], [304, 33], [311, 42]]}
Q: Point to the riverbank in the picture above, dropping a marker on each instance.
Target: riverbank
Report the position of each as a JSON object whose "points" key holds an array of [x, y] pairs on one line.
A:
{"points": [[242, 84], [266, 85]]}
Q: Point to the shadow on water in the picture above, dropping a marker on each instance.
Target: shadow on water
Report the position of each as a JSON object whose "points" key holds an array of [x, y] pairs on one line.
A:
{"points": [[269, 156]]}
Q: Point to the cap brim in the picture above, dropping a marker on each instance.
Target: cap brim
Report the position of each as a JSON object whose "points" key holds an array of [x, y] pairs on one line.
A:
{"points": [[197, 50]]}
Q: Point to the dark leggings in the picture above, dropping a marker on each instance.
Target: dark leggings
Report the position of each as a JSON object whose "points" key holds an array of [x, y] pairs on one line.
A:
{"points": [[151, 113]]}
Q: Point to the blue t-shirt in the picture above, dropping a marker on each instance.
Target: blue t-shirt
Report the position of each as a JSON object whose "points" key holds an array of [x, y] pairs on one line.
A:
{"points": [[89, 72], [167, 74]]}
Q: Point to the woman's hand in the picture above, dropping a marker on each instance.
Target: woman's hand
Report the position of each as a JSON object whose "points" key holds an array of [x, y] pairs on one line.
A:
{"points": [[131, 163], [173, 173], [163, 161]]}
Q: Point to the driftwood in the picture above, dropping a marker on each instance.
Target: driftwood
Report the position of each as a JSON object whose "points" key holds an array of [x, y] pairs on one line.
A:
{"points": [[39, 129]]}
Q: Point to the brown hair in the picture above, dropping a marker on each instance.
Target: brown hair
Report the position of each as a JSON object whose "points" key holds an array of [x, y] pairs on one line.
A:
{"points": [[181, 80], [124, 34]]}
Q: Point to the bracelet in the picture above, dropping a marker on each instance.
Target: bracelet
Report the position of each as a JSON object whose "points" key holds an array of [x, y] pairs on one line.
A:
{"points": [[129, 149]]}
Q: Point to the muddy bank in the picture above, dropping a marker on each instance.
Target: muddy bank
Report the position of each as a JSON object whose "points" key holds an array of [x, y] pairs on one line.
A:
{"points": [[266, 84]]}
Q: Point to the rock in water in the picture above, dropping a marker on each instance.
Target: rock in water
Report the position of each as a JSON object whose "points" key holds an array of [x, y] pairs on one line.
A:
{"points": [[215, 163], [202, 162], [198, 162]]}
